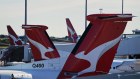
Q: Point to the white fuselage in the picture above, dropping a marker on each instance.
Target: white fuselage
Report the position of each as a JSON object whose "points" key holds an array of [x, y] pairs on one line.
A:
{"points": [[45, 69], [50, 69], [125, 65]]}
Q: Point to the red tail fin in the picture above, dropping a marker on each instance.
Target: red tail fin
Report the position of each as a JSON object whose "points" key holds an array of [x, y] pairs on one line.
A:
{"points": [[71, 32], [13, 38], [41, 45], [96, 49]]}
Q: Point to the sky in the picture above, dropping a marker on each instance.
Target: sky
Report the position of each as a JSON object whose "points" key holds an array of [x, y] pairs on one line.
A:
{"points": [[52, 13]]}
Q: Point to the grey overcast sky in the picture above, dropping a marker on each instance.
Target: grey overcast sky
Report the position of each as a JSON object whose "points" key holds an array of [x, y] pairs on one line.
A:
{"points": [[52, 13]]}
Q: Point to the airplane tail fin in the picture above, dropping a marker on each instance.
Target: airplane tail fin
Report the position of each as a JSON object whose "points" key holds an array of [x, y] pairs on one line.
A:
{"points": [[71, 32], [13, 38], [40, 43], [95, 51]]}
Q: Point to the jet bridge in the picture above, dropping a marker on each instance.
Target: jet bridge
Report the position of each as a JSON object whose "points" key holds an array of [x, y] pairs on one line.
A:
{"points": [[15, 53]]}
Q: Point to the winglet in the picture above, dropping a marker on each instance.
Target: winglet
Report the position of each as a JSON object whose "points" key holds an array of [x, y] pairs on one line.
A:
{"points": [[40, 43]]}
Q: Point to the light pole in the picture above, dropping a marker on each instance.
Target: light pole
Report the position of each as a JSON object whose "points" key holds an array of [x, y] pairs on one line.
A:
{"points": [[85, 14], [122, 6], [25, 22], [25, 12]]}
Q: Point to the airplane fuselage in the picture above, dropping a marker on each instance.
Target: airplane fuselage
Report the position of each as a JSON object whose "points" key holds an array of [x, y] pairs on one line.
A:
{"points": [[50, 69]]}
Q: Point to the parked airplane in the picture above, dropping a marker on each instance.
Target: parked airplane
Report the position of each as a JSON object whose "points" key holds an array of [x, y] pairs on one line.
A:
{"points": [[72, 35], [116, 66], [131, 44], [16, 44], [13, 38], [92, 55], [99, 51]]}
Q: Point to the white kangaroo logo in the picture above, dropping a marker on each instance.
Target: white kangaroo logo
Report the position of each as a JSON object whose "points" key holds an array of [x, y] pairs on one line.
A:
{"points": [[41, 48], [71, 32], [15, 39], [94, 55]]}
